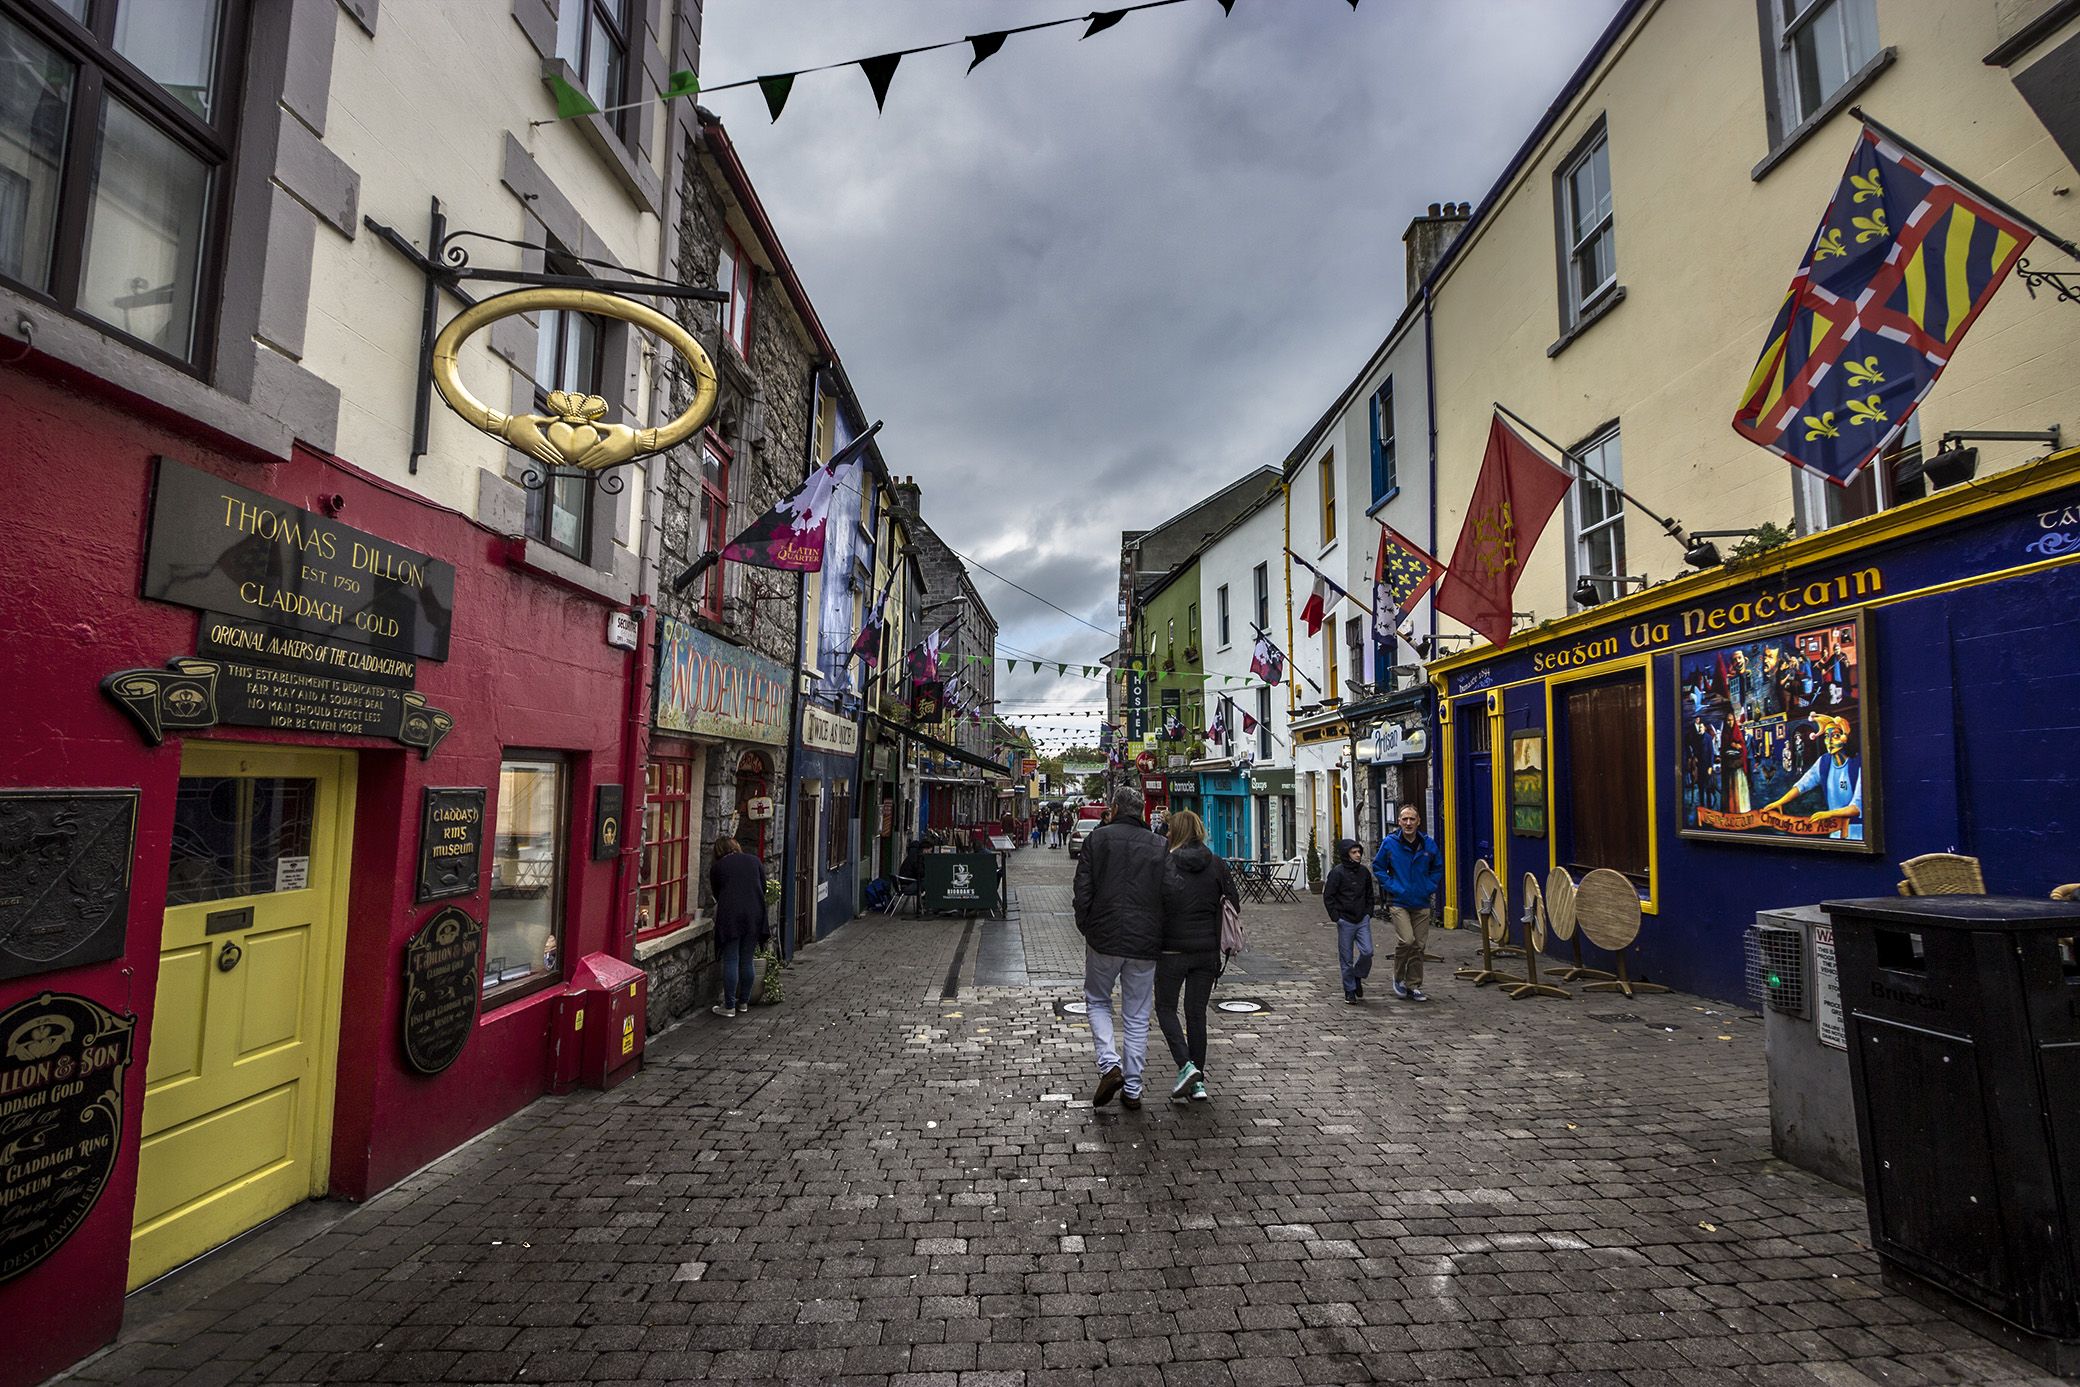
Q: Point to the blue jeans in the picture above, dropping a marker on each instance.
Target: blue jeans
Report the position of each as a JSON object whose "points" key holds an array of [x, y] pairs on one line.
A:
{"points": [[1353, 952], [739, 971], [1136, 978]]}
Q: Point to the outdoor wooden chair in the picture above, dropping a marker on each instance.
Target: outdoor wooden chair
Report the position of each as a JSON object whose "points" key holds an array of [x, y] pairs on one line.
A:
{"points": [[1944, 874], [1534, 940], [1560, 909], [1490, 911], [1606, 909]]}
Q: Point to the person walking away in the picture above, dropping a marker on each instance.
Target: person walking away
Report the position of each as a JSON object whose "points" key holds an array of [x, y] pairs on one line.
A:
{"points": [[1118, 898], [1410, 871], [738, 880], [1347, 896], [1195, 882]]}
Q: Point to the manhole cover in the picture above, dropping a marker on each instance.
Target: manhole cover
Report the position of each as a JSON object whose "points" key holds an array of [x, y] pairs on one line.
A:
{"points": [[1242, 1005], [1613, 1018], [1072, 1009]]}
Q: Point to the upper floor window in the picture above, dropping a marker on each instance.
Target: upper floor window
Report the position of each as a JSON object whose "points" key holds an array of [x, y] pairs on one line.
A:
{"points": [[1597, 514], [1220, 604], [116, 120], [592, 36], [1325, 471], [1384, 479], [1892, 478], [1588, 242], [1191, 625], [1820, 45], [735, 276], [1262, 577], [568, 355], [715, 461]]}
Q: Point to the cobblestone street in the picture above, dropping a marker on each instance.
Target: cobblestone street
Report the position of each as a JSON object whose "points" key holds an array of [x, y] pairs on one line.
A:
{"points": [[880, 1183]]}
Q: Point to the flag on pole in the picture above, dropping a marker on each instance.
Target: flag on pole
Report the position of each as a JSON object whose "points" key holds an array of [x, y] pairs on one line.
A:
{"points": [[867, 644], [1322, 600], [1267, 661], [1401, 574], [1217, 730], [1249, 725], [790, 535], [1514, 496], [1903, 261]]}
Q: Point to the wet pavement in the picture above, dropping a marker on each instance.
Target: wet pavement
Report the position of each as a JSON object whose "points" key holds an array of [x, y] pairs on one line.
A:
{"points": [[878, 1183]]}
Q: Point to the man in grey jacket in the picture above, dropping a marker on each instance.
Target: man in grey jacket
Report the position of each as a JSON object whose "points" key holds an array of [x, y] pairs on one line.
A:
{"points": [[1119, 912]]}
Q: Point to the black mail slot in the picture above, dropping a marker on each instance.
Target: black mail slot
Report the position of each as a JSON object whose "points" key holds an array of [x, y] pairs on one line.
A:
{"points": [[225, 921]]}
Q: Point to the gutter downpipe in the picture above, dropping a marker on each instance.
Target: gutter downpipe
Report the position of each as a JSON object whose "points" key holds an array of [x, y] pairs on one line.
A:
{"points": [[1430, 415]]}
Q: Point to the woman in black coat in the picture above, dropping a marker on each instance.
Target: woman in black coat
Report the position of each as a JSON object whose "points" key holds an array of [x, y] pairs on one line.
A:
{"points": [[1195, 882], [738, 880]]}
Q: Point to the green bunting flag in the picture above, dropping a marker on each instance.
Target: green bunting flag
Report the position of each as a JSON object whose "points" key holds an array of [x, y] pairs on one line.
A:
{"points": [[1101, 20], [880, 72], [571, 101], [776, 90], [985, 46], [682, 83], [1061, 669]]}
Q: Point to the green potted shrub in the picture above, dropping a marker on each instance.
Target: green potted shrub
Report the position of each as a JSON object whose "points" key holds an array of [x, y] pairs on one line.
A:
{"points": [[1314, 863]]}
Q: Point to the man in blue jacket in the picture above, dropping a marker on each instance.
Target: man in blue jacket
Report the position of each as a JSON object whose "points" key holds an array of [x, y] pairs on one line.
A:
{"points": [[1410, 872]]}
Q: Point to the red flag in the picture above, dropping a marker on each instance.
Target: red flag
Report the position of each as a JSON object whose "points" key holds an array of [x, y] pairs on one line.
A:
{"points": [[1513, 497], [1317, 605]]}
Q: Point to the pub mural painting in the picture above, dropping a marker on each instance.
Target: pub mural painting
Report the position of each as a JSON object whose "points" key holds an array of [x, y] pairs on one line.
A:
{"points": [[1726, 740]]}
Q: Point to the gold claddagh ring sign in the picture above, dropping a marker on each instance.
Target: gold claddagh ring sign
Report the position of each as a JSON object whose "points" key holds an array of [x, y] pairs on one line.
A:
{"points": [[572, 435]]}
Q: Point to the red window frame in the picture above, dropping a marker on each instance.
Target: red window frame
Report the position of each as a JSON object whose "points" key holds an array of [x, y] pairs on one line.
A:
{"points": [[714, 516], [668, 824], [736, 314]]}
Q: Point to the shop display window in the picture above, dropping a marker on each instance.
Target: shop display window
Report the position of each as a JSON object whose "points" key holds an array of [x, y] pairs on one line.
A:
{"points": [[523, 937]]}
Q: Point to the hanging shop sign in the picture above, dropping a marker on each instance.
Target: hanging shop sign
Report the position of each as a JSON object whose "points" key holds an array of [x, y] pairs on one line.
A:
{"points": [[1527, 783], [62, 1058], [606, 822], [451, 843], [224, 548], [827, 731], [710, 688], [758, 808], [64, 879], [1776, 744], [441, 989]]}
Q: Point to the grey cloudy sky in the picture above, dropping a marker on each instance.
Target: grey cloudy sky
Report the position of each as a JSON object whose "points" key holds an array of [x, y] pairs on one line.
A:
{"points": [[1095, 280]]}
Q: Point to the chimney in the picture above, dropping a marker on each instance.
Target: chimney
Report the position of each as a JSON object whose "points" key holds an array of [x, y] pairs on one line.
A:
{"points": [[906, 497], [1429, 236]]}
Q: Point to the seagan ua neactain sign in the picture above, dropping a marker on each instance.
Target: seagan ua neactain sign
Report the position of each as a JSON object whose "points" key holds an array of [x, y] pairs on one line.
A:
{"points": [[223, 548]]}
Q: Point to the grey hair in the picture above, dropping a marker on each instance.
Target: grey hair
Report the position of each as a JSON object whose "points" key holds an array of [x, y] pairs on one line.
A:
{"points": [[1127, 803]]}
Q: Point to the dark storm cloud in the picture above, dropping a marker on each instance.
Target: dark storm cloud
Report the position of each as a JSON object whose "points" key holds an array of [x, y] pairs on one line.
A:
{"points": [[1094, 281]]}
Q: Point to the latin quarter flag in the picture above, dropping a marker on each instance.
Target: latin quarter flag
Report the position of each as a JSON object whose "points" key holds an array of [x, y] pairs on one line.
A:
{"points": [[1902, 262], [1514, 496], [790, 535], [1401, 574]]}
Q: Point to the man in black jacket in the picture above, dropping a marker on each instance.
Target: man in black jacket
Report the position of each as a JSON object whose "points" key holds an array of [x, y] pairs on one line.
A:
{"points": [[1347, 896], [1119, 913]]}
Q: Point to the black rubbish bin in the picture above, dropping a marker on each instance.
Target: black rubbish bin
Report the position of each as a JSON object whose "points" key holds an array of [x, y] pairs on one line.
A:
{"points": [[1964, 1054]]}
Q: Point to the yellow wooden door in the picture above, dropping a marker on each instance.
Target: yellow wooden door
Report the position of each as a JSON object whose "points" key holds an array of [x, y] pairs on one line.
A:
{"points": [[238, 1086]]}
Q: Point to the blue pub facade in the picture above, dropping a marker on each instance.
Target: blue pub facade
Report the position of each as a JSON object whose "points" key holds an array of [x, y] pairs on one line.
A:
{"points": [[1789, 729]]}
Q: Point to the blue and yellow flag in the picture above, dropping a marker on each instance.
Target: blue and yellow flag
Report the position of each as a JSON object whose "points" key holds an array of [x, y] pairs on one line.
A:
{"points": [[1900, 266]]}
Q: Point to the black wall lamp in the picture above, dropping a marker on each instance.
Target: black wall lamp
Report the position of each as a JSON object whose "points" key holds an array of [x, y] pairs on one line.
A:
{"points": [[1587, 594], [1427, 647], [1702, 553]]}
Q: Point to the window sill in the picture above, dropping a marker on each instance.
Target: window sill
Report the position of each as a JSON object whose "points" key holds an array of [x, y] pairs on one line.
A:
{"points": [[540, 560], [1591, 316], [641, 183], [1381, 504], [1829, 109], [650, 948], [1328, 549]]}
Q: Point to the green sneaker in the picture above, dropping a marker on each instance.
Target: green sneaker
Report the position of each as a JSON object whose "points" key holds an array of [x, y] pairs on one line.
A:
{"points": [[1199, 1094], [1185, 1076]]}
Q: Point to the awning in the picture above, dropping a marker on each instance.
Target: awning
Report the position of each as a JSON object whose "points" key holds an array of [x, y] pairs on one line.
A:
{"points": [[935, 744]]}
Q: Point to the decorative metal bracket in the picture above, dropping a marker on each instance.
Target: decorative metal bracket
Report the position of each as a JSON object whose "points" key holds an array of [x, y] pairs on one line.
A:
{"points": [[448, 265], [2062, 284]]}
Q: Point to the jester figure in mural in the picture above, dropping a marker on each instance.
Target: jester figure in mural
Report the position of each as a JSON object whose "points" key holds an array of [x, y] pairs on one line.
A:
{"points": [[1838, 775]]}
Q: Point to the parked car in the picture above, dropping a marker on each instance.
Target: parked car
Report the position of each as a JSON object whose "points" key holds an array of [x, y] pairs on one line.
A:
{"points": [[1087, 818]]}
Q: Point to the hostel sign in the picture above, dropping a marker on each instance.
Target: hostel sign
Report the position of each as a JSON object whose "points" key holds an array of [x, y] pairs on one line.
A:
{"points": [[711, 688]]}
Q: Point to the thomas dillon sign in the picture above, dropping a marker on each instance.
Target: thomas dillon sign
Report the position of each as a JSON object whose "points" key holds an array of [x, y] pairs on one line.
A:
{"points": [[61, 1119], [441, 989]]}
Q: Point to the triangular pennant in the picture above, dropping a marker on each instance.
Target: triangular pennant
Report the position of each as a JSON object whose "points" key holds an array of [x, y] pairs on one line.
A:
{"points": [[571, 101], [880, 72], [776, 89], [1101, 20], [682, 83], [985, 46], [1227, 6], [1061, 669]]}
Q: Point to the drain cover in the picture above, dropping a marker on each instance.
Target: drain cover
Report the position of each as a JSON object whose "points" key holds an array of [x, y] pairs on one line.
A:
{"points": [[1242, 1005], [1072, 1009]]}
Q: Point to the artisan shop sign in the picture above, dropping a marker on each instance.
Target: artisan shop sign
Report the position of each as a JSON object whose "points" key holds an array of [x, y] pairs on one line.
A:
{"points": [[62, 1058], [441, 989], [829, 732], [228, 638], [451, 842], [224, 548], [711, 688]]}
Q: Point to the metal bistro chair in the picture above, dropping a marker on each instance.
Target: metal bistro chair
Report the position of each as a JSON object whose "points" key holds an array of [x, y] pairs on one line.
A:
{"points": [[1534, 940], [1560, 908], [1245, 874], [1488, 909], [1283, 881], [1607, 911]]}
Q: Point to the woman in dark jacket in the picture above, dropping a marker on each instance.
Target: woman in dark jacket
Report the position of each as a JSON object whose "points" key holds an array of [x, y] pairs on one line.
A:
{"points": [[1195, 882], [739, 882]]}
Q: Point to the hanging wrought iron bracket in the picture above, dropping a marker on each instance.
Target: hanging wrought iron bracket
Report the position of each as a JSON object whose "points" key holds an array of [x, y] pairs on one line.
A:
{"points": [[2060, 284], [448, 267]]}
